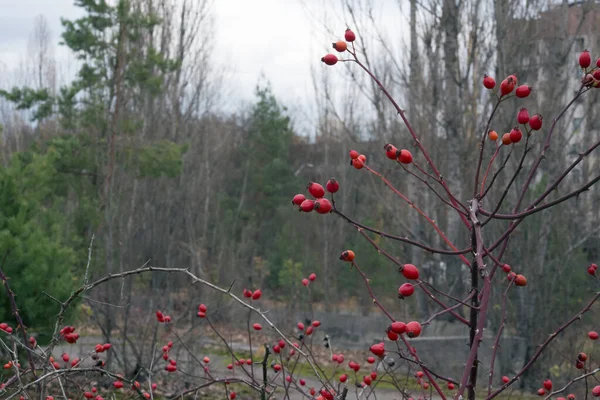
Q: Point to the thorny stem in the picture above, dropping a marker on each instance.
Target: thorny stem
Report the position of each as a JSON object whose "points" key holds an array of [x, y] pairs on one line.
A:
{"points": [[572, 381]]}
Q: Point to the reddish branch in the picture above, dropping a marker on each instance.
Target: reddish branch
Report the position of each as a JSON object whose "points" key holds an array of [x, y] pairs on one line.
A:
{"points": [[498, 336], [400, 112], [414, 206], [399, 238], [482, 147]]}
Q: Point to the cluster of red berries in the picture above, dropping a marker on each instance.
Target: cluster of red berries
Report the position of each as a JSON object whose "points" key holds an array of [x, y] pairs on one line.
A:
{"points": [[257, 294], [4, 327], [547, 386], [89, 395], [101, 348], [9, 365], [412, 329], [357, 160], [316, 190], [420, 381], [592, 269], [239, 362], [308, 330], [201, 311], [68, 334], [402, 156], [311, 278], [506, 87], [165, 349], [592, 76], [162, 318], [339, 46], [520, 280]]}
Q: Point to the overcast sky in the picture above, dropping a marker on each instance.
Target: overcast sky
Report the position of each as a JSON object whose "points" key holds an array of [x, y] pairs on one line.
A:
{"points": [[245, 35], [277, 39]]}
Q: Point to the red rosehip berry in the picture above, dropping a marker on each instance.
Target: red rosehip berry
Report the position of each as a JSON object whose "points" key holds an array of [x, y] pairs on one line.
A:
{"points": [[516, 135], [548, 384], [398, 327], [347, 255], [367, 380], [506, 268], [309, 330], [508, 85], [160, 317], [340, 46], [591, 271], [579, 364], [232, 395], [523, 91], [349, 36], [571, 396], [585, 59], [391, 151], [315, 190], [596, 391], [505, 379], [450, 386], [535, 122], [170, 368], [305, 282], [302, 382], [330, 59], [202, 308], [316, 323], [307, 205], [373, 375], [378, 349], [410, 272], [489, 82], [596, 75], [65, 357], [523, 116], [257, 326], [323, 206], [357, 163], [582, 357], [300, 326], [593, 335], [413, 329], [276, 349], [406, 290], [393, 336], [118, 384], [332, 186], [353, 154], [493, 135], [247, 293], [312, 277], [541, 392], [405, 157], [206, 360], [343, 378], [298, 199], [370, 359], [257, 294], [506, 139], [520, 280]]}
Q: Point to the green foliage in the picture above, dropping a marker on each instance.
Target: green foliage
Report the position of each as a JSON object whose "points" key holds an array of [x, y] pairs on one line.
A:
{"points": [[27, 98], [38, 242], [162, 158]]}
